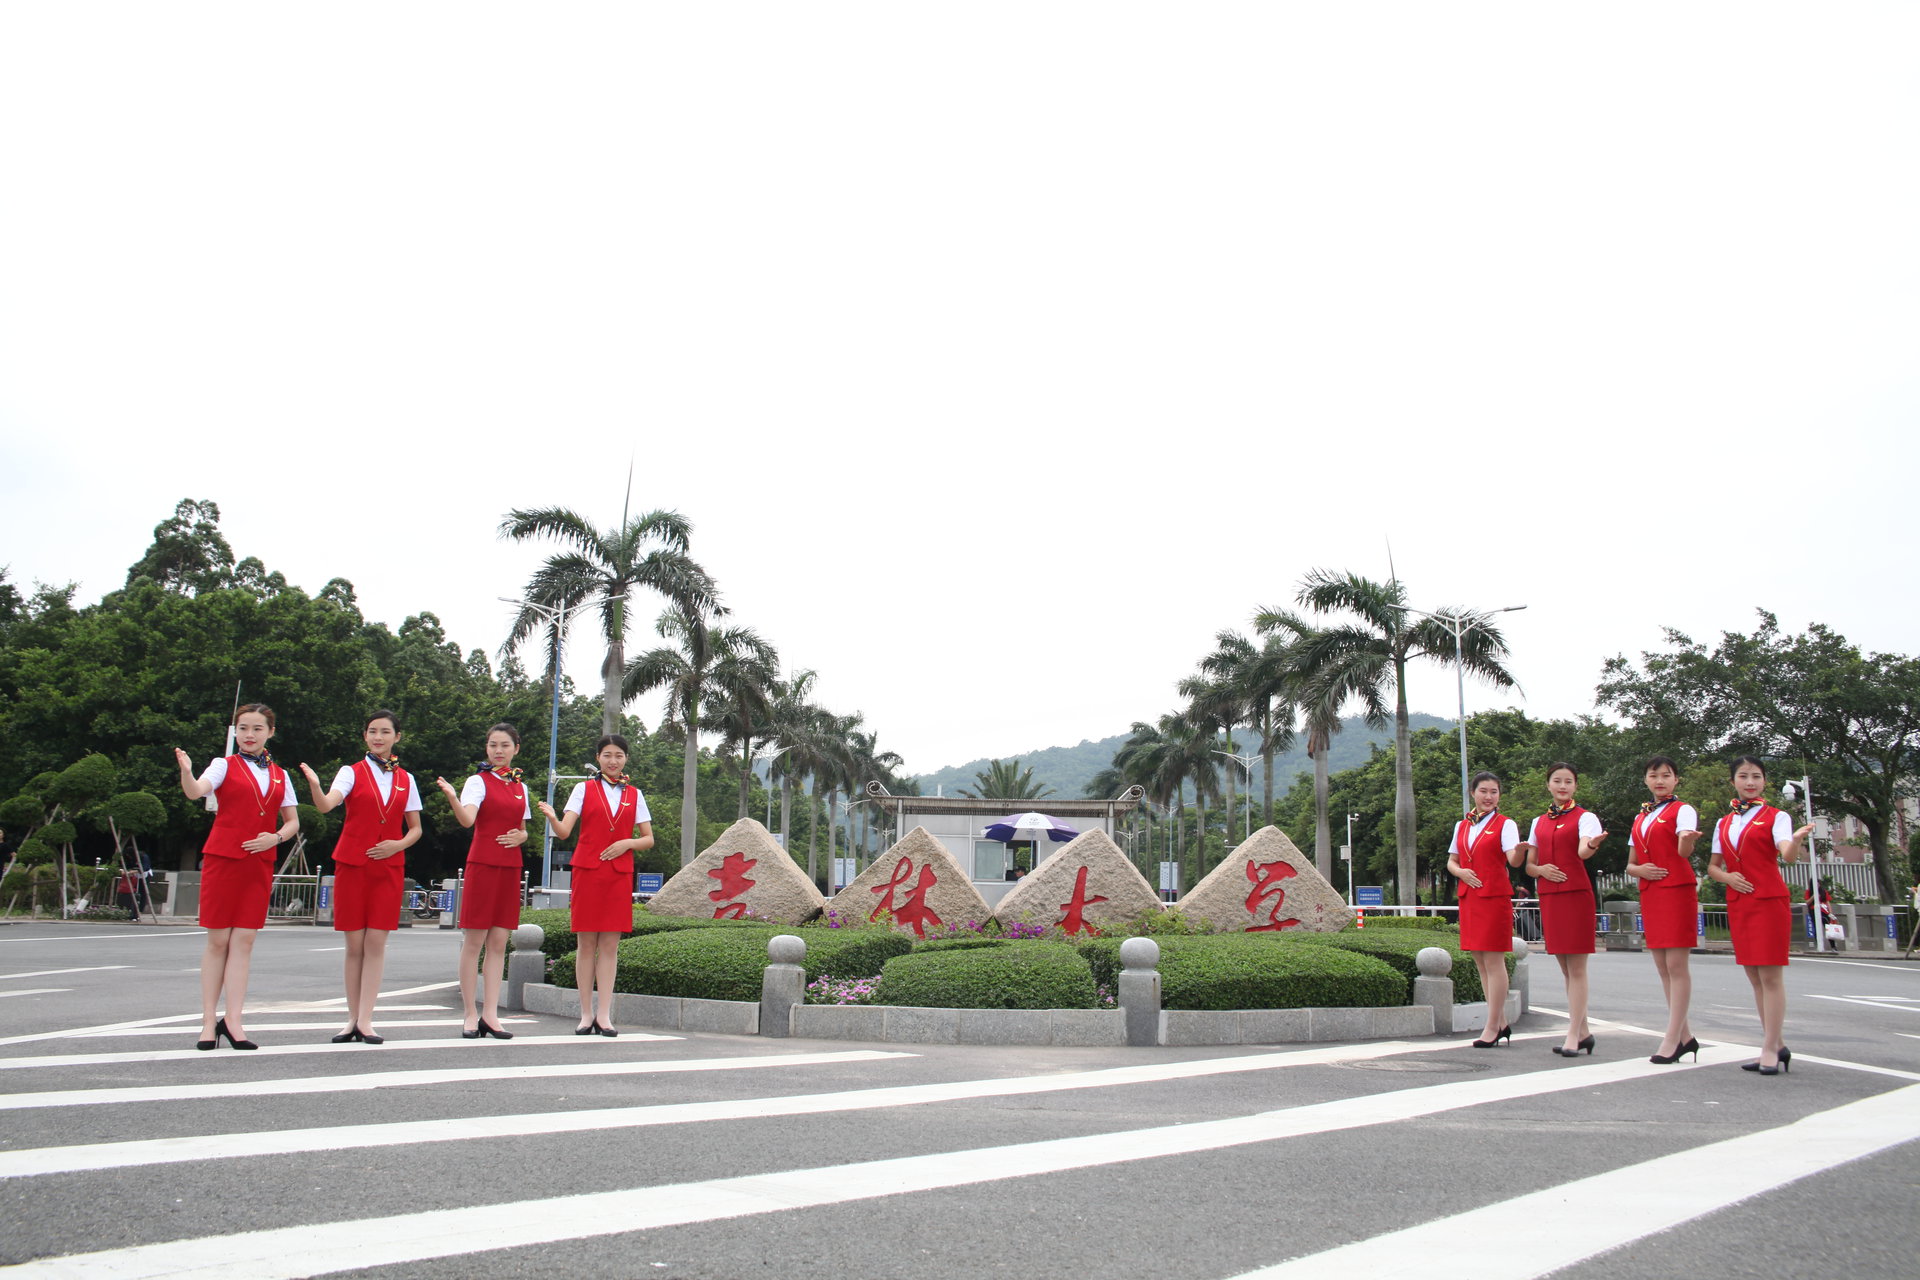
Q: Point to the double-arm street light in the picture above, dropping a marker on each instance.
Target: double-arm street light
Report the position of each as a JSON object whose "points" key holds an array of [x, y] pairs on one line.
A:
{"points": [[1246, 764], [770, 753], [1460, 624]]}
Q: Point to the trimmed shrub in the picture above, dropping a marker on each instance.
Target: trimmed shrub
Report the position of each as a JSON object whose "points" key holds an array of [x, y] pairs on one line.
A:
{"points": [[1398, 947], [1015, 975], [704, 964], [1259, 971], [961, 943], [34, 852], [57, 833], [557, 922], [847, 953], [560, 972]]}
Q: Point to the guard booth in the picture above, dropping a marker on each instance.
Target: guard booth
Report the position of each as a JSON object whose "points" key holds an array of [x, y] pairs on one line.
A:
{"points": [[957, 822]]}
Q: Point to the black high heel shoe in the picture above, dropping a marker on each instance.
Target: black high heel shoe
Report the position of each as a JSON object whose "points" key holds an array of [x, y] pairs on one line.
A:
{"points": [[1691, 1046], [1505, 1033], [1786, 1056], [584, 1029], [609, 1032], [1785, 1065], [220, 1029], [474, 1034], [346, 1037], [367, 1037], [488, 1029], [204, 1045], [1574, 1052]]}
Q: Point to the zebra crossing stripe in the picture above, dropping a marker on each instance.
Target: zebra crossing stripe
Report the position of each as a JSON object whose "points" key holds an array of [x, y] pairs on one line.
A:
{"points": [[286, 1253], [1545, 1231], [217, 1061], [399, 1079]]}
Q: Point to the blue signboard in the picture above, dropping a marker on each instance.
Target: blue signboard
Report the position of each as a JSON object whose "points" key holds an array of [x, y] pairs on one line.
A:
{"points": [[1369, 895], [1640, 926], [1893, 932], [326, 896], [652, 881]]}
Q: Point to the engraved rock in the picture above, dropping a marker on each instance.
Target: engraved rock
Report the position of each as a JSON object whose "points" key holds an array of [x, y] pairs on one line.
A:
{"points": [[743, 873], [1266, 884], [921, 884], [1087, 881]]}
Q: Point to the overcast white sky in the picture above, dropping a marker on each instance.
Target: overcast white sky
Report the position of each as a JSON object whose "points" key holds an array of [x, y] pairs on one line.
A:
{"points": [[1000, 353]]}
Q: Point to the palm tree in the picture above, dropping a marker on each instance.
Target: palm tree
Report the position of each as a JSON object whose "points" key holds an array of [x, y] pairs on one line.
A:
{"points": [[706, 662], [647, 551], [1006, 780], [790, 718], [1366, 656], [1322, 698]]}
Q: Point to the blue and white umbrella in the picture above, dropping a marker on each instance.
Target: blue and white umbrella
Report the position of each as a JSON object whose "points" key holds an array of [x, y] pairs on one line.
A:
{"points": [[1029, 827]]}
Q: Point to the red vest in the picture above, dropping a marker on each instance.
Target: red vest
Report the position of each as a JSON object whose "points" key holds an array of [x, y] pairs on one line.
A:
{"points": [[244, 812], [1483, 858], [1756, 856], [1558, 845], [502, 809], [1657, 838], [600, 828], [371, 819]]}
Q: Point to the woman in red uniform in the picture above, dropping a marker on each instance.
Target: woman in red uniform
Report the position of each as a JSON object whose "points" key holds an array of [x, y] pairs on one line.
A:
{"points": [[614, 825], [1749, 845], [494, 803], [1557, 848], [369, 862], [1484, 843], [1660, 856], [255, 814]]}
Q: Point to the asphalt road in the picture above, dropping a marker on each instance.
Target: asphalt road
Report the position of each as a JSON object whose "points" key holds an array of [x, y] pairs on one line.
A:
{"points": [[123, 1152]]}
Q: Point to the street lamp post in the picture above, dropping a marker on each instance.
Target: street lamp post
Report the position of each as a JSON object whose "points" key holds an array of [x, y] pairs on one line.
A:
{"points": [[1460, 624], [1350, 818], [1805, 788], [1246, 764], [770, 754], [557, 617]]}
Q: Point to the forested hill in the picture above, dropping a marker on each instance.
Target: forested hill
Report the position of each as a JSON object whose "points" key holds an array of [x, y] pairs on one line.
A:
{"points": [[1068, 770]]}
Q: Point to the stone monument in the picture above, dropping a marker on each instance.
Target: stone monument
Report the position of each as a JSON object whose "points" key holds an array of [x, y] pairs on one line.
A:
{"points": [[1083, 885], [743, 873], [1266, 884], [918, 884]]}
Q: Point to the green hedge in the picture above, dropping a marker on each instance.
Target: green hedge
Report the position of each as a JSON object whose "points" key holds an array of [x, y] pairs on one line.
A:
{"points": [[962, 943], [557, 922], [560, 971], [1015, 975], [1398, 947], [725, 963]]}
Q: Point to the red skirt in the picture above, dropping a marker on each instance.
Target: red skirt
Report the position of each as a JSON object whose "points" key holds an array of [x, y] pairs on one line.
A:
{"points": [[1567, 921], [1670, 918], [1760, 928], [234, 892], [1486, 924], [490, 897], [602, 900], [366, 895]]}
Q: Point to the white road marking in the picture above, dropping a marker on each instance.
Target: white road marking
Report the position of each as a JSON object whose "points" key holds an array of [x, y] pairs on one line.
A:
{"points": [[48, 973], [398, 1079], [35, 991], [326, 1248], [1883, 966], [522, 1041], [94, 937], [326, 948], [1547, 1231], [34, 1162], [1871, 1004]]}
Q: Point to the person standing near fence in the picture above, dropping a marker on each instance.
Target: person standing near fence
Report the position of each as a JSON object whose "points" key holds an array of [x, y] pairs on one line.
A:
{"points": [[1485, 842], [1749, 844], [369, 862], [256, 812], [614, 825], [1557, 848], [1660, 856], [494, 803]]}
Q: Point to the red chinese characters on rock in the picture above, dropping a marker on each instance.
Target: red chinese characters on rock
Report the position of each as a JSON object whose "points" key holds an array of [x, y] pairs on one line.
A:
{"points": [[912, 911], [734, 882], [1266, 878], [1074, 921]]}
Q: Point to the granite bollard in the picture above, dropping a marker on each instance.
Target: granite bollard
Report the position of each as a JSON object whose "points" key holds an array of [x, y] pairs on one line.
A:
{"points": [[525, 963], [1434, 987], [783, 984], [1139, 994], [1522, 984]]}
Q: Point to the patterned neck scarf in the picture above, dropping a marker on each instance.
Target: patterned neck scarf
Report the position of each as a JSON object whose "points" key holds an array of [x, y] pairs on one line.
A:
{"points": [[1561, 811], [387, 763], [506, 773], [262, 761], [1655, 806], [1475, 816], [612, 781], [1737, 806]]}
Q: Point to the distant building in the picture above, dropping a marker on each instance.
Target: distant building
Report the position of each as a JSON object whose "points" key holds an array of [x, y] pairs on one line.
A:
{"points": [[957, 823]]}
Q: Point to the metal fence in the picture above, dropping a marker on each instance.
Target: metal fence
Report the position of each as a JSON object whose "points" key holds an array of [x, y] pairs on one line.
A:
{"points": [[1857, 878], [295, 898]]}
